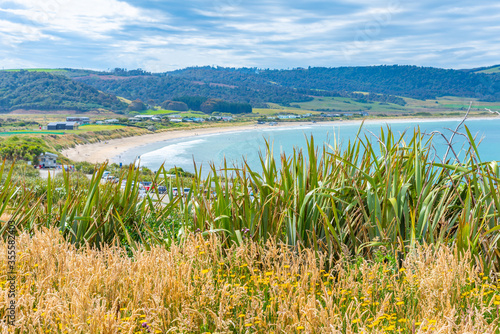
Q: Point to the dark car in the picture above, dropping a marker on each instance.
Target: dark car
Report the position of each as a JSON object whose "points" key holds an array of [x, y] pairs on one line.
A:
{"points": [[162, 189]]}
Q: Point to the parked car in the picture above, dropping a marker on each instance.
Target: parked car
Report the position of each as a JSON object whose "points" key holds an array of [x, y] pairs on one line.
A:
{"points": [[148, 185], [162, 189]]}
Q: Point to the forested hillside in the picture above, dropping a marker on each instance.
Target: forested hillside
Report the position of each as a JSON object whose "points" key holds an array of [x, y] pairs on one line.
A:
{"points": [[409, 81], [83, 90], [45, 91], [254, 86], [162, 87]]}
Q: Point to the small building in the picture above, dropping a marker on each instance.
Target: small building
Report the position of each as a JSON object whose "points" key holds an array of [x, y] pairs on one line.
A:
{"points": [[198, 120], [144, 117], [47, 160], [99, 122], [176, 120], [79, 120], [287, 116], [62, 126], [363, 113], [110, 121]]}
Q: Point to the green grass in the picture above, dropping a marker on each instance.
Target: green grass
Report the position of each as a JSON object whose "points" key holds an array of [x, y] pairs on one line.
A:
{"points": [[491, 70], [284, 110], [466, 106], [27, 132], [190, 113], [81, 129], [96, 127], [49, 70], [342, 104]]}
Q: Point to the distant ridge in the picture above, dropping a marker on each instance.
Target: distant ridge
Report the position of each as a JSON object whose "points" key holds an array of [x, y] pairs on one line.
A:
{"points": [[83, 90], [258, 86]]}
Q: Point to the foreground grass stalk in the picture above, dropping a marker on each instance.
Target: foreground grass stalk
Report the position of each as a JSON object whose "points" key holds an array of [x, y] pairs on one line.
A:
{"points": [[197, 287]]}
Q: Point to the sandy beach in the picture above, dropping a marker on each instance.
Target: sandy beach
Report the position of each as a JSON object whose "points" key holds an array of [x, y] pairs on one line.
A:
{"points": [[100, 152]]}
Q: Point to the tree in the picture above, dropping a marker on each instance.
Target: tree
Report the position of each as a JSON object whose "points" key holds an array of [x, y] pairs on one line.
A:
{"points": [[174, 105], [137, 105]]}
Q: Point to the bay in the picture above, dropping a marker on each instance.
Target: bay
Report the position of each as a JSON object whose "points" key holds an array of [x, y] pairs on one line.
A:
{"points": [[239, 145]]}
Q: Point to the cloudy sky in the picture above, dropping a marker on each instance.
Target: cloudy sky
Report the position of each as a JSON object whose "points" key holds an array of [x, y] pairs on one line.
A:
{"points": [[161, 35]]}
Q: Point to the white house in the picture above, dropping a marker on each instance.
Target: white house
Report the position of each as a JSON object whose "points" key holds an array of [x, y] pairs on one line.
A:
{"points": [[288, 116], [47, 160], [176, 120], [144, 117], [80, 120], [109, 121]]}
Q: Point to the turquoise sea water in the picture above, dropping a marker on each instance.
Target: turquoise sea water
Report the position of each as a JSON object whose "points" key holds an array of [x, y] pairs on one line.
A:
{"points": [[235, 146]]}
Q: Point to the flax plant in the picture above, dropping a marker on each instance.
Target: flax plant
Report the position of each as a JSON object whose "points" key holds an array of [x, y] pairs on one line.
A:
{"points": [[367, 194]]}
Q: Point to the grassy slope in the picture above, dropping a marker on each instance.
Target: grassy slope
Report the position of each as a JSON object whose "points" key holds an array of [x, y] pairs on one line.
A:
{"points": [[443, 105], [491, 70], [48, 70]]}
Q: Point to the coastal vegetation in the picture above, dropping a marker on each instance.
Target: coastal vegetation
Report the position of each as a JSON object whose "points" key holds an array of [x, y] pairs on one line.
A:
{"points": [[202, 286], [365, 236]]}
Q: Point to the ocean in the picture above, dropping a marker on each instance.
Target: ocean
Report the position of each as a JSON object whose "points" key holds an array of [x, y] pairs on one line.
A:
{"points": [[239, 145]]}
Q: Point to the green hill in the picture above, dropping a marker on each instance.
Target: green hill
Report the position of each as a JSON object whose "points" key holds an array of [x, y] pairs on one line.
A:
{"points": [[384, 84], [392, 86], [489, 70], [42, 90]]}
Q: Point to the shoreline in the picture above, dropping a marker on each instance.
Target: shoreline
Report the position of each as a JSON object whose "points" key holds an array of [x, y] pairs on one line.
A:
{"points": [[107, 150]]}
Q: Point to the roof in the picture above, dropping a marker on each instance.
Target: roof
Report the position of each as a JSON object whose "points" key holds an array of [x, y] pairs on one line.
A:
{"points": [[49, 154], [65, 123]]}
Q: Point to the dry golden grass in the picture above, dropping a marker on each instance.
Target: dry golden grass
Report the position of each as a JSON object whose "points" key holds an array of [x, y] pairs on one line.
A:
{"points": [[201, 287]]}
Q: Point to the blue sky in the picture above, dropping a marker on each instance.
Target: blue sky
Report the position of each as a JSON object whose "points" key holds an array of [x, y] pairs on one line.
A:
{"points": [[164, 35]]}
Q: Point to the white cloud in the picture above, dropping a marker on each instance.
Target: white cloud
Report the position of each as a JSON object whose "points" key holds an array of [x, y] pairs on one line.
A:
{"points": [[90, 18], [15, 33], [278, 33]]}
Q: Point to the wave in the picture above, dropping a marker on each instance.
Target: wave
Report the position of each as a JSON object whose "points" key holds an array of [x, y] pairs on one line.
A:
{"points": [[173, 154]]}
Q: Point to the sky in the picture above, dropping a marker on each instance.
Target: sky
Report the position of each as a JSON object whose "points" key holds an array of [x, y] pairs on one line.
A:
{"points": [[163, 35]]}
